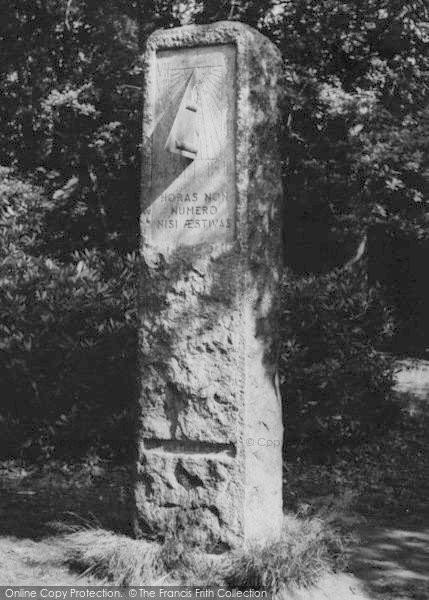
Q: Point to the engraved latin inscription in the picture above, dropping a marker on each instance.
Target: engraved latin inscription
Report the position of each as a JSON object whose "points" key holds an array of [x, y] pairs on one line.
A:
{"points": [[193, 147]]}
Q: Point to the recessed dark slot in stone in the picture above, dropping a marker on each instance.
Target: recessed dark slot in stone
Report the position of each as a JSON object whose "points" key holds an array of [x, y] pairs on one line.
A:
{"points": [[191, 447]]}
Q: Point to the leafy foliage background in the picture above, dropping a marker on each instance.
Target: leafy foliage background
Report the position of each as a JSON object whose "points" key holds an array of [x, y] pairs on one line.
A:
{"points": [[355, 153]]}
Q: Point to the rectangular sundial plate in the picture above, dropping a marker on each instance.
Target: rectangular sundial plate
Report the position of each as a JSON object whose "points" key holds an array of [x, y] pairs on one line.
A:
{"points": [[192, 190]]}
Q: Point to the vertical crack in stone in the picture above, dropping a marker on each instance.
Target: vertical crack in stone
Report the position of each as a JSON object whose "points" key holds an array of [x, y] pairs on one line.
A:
{"points": [[175, 402], [148, 482]]}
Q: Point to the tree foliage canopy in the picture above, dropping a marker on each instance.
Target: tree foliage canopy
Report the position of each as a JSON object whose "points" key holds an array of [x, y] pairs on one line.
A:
{"points": [[356, 114]]}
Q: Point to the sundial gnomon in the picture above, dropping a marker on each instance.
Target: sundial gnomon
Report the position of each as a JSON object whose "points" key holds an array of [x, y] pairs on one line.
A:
{"points": [[205, 84]]}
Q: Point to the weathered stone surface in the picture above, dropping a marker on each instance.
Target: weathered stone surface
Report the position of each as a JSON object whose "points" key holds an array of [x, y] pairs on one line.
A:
{"points": [[208, 327]]}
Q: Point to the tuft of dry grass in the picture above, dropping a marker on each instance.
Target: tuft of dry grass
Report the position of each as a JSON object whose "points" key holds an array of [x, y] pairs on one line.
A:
{"points": [[113, 558], [305, 551]]}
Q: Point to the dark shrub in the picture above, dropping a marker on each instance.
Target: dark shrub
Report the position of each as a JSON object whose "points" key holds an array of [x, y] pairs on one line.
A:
{"points": [[398, 264], [67, 337], [335, 384]]}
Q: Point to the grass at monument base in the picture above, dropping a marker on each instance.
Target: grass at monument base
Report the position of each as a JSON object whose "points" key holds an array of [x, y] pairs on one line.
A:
{"points": [[305, 550]]}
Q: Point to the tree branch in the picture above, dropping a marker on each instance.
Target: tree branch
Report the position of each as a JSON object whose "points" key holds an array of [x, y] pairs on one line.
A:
{"points": [[360, 252], [68, 11], [232, 9]]}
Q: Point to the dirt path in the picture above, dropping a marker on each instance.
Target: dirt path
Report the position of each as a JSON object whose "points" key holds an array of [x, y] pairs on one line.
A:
{"points": [[393, 563], [26, 562], [379, 490], [392, 558]]}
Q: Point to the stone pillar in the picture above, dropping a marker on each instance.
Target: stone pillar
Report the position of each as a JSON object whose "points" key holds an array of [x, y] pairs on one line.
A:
{"points": [[210, 430]]}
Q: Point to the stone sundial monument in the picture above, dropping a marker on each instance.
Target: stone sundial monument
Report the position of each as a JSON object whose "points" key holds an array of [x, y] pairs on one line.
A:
{"points": [[210, 426]]}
